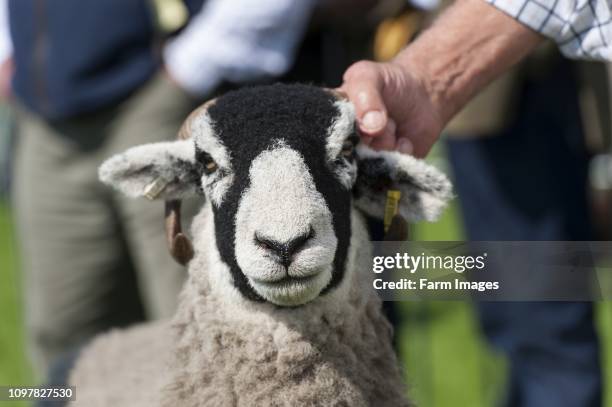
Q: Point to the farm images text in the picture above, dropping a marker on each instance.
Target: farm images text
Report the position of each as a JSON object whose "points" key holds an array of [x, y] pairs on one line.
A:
{"points": [[405, 265]]}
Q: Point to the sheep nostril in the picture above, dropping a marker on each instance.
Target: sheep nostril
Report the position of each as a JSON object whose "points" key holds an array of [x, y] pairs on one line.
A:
{"points": [[284, 250], [264, 243], [296, 244]]}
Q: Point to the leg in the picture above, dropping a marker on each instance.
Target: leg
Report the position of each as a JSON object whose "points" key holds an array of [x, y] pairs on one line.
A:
{"points": [[153, 114], [529, 183], [552, 350], [78, 279]]}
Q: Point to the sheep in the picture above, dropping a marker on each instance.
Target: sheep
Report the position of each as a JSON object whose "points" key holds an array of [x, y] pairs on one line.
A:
{"points": [[278, 308]]}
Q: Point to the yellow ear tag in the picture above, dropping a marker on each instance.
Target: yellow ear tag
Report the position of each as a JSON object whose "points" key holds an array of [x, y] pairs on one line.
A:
{"points": [[391, 206]]}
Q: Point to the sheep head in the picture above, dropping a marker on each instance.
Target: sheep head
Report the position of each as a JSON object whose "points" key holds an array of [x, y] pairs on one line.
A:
{"points": [[282, 168]]}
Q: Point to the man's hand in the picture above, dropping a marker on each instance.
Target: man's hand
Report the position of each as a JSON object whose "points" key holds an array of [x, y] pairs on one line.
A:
{"points": [[393, 107], [405, 104]]}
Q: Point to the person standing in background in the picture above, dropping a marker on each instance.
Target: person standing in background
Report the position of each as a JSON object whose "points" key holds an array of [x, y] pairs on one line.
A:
{"points": [[91, 78], [520, 167], [404, 104]]}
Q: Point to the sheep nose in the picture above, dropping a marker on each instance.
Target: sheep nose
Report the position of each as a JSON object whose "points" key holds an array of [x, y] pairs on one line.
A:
{"points": [[284, 250]]}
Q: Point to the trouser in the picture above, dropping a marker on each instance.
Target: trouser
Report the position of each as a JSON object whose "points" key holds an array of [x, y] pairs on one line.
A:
{"points": [[529, 182], [92, 259]]}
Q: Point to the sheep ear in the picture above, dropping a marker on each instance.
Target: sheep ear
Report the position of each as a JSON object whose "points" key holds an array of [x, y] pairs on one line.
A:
{"points": [[166, 170], [425, 191]]}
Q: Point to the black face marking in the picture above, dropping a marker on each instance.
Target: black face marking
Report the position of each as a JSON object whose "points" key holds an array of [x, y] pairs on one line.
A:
{"points": [[251, 120]]}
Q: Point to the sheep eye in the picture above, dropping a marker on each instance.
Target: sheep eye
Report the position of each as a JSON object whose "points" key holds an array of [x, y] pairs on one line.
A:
{"points": [[348, 147], [210, 167], [206, 161]]}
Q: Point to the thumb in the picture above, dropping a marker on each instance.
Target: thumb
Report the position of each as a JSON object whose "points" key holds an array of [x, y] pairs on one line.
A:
{"points": [[363, 83]]}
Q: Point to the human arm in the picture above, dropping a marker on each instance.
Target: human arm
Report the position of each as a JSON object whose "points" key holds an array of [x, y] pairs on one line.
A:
{"points": [[405, 104], [236, 41]]}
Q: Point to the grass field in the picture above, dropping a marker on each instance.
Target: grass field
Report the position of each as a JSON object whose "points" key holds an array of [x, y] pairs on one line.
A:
{"points": [[14, 370], [446, 359]]}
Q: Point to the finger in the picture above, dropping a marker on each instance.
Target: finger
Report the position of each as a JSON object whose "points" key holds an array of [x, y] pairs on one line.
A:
{"points": [[421, 150], [404, 145], [387, 140], [363, 84], [366, 139], [420, 145]]}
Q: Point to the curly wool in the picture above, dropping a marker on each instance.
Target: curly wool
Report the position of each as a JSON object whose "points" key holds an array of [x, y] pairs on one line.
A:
{"points": [[226, 351], [280, 170]]}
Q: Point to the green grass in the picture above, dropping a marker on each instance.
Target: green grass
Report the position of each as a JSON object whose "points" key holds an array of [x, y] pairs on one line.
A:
{"points": [[446, 360], [604, 323], [14, 369]]}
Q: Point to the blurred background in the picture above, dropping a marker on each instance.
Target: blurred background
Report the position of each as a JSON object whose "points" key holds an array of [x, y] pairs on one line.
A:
{"points": [[83, 79]]}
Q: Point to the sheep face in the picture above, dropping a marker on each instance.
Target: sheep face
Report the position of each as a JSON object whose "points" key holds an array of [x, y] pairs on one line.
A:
{"points": [[281, 168]]}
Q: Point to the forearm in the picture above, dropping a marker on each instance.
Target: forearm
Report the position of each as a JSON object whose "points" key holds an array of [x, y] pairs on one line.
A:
{"points": [[471, 44]]}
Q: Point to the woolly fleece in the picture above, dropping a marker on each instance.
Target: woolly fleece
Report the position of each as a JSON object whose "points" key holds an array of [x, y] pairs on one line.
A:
{"points": [[222, 351]]}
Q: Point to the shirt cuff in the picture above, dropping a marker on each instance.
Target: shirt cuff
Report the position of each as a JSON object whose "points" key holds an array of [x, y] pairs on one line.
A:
{"points": [[537, 15], [576, 30]]}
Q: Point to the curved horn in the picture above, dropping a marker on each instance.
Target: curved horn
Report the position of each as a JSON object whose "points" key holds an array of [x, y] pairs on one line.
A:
{"points": [[179, 244]]}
